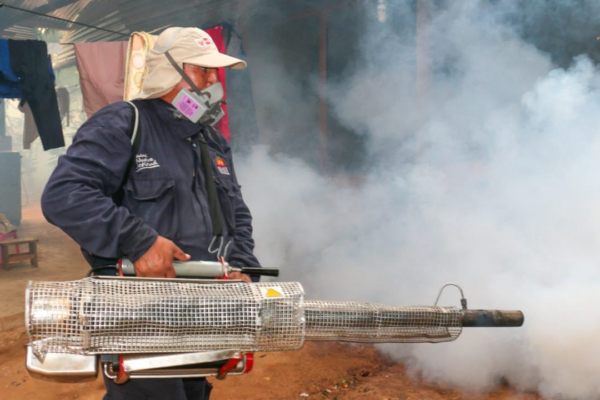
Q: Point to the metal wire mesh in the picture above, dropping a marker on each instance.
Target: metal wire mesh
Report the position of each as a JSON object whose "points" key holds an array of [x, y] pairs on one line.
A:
{"points": [[376, 323], [107, 316], [112, 316]]}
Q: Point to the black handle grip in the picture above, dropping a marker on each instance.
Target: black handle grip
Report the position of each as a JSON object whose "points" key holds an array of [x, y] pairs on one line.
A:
{"points": [[492, 318], [260, 271]]}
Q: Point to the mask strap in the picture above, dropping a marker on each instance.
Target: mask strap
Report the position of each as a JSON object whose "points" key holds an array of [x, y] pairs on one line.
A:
{"points": [[183, 74]]}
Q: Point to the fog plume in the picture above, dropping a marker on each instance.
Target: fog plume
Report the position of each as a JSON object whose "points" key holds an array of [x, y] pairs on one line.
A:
{"points": [[492, 185]]}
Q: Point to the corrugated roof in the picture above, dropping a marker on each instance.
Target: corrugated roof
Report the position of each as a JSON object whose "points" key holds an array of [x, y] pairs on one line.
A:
{"points": [[125, 17]]}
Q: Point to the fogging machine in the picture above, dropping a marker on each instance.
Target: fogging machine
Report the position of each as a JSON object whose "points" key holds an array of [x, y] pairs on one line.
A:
{"points": [[180, 328]]}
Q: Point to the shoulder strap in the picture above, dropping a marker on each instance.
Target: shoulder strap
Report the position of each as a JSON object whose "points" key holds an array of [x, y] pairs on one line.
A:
{"points": [[211, 189], [214, 135], [106, 265], [135, 134]]}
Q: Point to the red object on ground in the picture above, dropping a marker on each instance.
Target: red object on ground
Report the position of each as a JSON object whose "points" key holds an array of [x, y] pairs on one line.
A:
{"points": [[249, 362], [229, 365], [121, 377], [232, 362]]}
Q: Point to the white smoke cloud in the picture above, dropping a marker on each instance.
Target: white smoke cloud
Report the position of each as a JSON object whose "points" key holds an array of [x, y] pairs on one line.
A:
{"points": [[496, 190]]}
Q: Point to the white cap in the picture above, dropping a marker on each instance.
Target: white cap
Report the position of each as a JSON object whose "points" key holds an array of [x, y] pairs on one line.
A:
{"points": [[185, 45]]}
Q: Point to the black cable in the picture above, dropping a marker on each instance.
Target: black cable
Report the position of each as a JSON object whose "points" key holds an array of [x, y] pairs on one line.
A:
{"points": [[63, 19], [93, 270]]}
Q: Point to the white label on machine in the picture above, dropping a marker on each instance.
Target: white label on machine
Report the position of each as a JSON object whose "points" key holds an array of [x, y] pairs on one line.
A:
{"points": [[274, 291]]}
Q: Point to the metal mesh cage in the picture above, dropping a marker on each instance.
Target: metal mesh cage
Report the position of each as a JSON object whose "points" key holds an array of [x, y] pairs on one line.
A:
{"points": [[133, 315], [110, 316], [376, 323]]}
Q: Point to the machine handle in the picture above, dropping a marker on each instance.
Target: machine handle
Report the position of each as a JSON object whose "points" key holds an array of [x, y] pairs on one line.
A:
{"points": [[492, 318], [260, 271], [204, 269]]}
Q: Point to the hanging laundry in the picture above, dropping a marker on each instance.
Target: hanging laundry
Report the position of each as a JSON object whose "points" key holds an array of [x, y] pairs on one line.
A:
{"points": [[216, 34], [101, 68], [29, 61], [64, 103], [30, 131], [9, 82], [240, 104], [135, 66]]}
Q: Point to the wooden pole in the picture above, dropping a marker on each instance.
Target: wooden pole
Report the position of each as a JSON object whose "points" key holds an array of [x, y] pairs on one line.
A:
{"points": [[323, 91]]}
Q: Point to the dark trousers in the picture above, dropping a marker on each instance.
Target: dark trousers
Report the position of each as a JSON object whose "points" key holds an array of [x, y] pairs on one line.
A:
{"points": [[158, 389], [29, 61]]}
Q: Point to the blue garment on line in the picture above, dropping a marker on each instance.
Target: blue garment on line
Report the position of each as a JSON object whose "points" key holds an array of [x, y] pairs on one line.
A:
{"points": [[9, 82]]}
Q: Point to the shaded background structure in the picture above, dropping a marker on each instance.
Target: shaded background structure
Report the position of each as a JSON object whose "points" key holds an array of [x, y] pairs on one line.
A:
{"points": [[388, 147]]}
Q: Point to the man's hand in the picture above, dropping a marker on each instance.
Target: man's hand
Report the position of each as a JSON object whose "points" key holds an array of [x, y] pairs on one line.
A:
{"points": [[239, 275], [157, 262]]}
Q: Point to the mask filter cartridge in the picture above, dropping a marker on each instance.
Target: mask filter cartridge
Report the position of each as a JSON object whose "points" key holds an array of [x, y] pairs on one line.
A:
{"points": [[190, 105]]}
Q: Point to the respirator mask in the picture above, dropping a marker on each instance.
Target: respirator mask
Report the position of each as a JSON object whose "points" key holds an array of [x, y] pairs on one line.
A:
{"points": [[202, 106]]}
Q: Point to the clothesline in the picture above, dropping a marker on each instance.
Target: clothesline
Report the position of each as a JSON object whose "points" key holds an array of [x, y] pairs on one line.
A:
{"points": [[102, 69], [74, 43], [62, 19], [27, 74]]}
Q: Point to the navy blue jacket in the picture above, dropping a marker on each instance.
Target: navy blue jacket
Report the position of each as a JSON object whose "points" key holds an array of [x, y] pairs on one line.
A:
{"points": [[164, 194]]}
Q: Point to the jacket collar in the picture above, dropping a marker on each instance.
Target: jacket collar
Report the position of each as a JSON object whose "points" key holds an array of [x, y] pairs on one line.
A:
{"points": [[178, 124]]}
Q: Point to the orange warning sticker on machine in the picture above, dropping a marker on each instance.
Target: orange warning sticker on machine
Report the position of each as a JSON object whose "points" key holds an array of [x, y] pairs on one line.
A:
{"points": [[274, 291]]}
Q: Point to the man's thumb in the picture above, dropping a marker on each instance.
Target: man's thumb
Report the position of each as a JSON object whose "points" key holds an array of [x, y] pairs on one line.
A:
{"points": [[180, 255]]}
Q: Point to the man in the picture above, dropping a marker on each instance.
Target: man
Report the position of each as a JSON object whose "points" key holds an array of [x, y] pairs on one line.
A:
{"points": [[165, 212]]}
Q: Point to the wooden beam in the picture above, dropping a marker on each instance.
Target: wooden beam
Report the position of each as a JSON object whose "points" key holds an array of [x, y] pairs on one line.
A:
{"points": [[323, 10], [25, 16]]}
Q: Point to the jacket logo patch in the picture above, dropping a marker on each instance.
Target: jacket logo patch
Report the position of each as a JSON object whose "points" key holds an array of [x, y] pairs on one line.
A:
{"points": [[142, 161], [221, 164]]}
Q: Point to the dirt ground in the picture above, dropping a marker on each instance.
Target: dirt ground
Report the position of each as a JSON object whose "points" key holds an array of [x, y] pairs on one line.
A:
{"points": [[318, 371]]}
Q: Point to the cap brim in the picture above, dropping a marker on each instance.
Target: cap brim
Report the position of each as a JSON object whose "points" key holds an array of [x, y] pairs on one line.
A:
{"points": [[216, 60]]}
